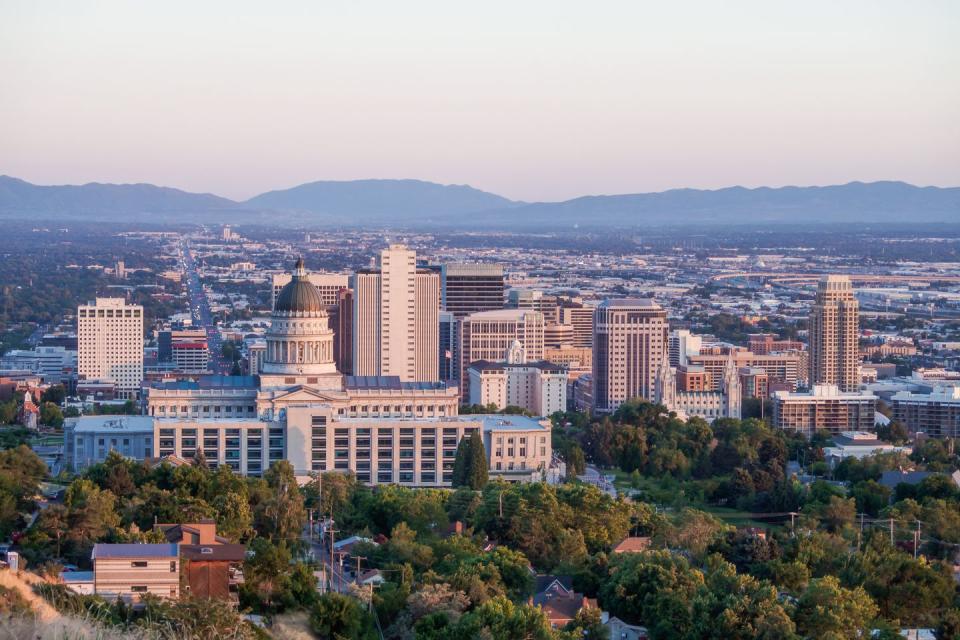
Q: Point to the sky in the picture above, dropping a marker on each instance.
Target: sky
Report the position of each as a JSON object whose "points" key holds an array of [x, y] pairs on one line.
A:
{"points": [[531, 100]]}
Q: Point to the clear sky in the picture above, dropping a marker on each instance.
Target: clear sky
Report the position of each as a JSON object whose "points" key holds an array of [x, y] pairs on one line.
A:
{"points": [[532, 100]]}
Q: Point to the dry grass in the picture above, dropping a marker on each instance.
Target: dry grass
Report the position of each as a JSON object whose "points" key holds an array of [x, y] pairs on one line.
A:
{"points": [[291, 626], [62, 628]]}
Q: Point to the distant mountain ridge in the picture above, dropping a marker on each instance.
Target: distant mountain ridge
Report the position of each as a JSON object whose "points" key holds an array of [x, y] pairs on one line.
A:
{"points": [[419, 203]]}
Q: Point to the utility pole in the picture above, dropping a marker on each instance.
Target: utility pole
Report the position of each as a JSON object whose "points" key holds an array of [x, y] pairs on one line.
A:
{"points": [[359, 558], [860, 534], [332, 532], [916, 541], [793, 514]]}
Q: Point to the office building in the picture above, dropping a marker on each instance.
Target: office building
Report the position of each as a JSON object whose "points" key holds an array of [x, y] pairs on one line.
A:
{"points": [[683, 344], [89, 439], [786, 367], [579, 316], [166, 338], [110, 343], [557, 335], [447, 348], [343, 333], [328, 286], [629, 345], [824, 407], [489, 336], [935, 414], [471, 287], [396, 318], [538, 387], [55, 363], [834, 335], [191, 357], [536, 300]]}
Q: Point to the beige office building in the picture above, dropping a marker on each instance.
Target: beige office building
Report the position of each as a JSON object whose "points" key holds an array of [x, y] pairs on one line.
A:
{"points": [[834, 334], [490, 335], [629, 345], [110, 343], [580, 317], [328, 286], [396, 320]]}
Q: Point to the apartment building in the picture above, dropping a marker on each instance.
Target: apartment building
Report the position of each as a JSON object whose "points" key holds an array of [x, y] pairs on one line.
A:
{"points": [[824, 407], [935, 414], [834, 332]]}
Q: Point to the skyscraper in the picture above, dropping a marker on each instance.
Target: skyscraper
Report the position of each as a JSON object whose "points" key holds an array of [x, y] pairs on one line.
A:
{"points": [[834, 335], [471, 287], [396, 318], [629, 344], [110, 343]]}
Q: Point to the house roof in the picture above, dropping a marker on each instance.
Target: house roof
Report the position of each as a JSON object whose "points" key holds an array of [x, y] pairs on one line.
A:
{"points": [[632, 544], [127, 550], [559, 606], [542, 583], [214, 552]]}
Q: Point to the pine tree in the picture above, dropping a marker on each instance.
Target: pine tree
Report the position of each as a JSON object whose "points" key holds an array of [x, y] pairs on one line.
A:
{"points": [[460, 463], [476, 474]]}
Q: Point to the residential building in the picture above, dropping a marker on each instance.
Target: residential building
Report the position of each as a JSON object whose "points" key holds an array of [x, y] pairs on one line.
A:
{"points": [[110, 343], [824, 407], [630, 343], [489, 335], [213, 571], [396, 318], [764, 343], [834, 333], [935, 414], [128, 571]]}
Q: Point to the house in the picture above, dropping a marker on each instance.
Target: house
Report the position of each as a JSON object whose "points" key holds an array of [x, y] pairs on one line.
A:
{"points": [[80, 582], [555, 584], [892, 478], [128, 571], [213, 571], [372, 577], [632, 544], [561, 608], [620, 630], [203, 532]]}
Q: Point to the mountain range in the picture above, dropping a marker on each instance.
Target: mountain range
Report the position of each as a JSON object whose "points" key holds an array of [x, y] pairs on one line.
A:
{"points": [[419, 203]]}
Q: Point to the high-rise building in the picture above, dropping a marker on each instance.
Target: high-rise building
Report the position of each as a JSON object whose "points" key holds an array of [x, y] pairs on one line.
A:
{"points": [[825, 406], [490, 335], [471, 287], [557, 335], [328, 285], [536, 300], [683, 344], [834, 335], [629, 345], [447, 348], [580, 317], [396, 318], [343, 332], [110, 343]]}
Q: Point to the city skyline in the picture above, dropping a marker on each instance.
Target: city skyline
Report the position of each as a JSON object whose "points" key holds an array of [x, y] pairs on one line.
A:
{"points": [[538, 103]]}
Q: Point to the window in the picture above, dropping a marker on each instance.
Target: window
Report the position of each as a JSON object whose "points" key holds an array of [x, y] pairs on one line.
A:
{"points": [[139, 564], [139, 588]]}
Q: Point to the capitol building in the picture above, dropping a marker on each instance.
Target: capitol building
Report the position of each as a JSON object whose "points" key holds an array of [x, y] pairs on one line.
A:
{"points": [[301, 409]]}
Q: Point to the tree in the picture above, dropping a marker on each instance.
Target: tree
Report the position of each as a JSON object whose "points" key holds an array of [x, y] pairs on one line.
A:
{"points": [[55, 394], [871, 496], [470, 465], [336, 616], [576, 462], [51, 415], [282, 516], [827, 610], [234, 518]]}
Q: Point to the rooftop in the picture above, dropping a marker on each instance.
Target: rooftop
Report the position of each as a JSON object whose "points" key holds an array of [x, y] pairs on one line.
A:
{"points": [[103, 550], [644, 303], [389, 383], [507, 423], [209, 382], [543, 365], [126, 424]]}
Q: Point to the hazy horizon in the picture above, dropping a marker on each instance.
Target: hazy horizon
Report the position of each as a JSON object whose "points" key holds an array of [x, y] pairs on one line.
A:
{"points": [[534, 102]]}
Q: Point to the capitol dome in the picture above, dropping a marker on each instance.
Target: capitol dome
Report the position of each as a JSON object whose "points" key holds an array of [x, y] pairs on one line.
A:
{"points": [[299, 296]]}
